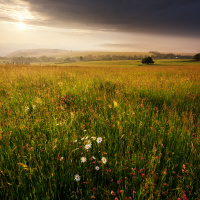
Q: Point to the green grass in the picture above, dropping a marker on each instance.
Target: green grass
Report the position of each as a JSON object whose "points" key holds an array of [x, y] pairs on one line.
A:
{"points": [[147, 117], [126, 63]]}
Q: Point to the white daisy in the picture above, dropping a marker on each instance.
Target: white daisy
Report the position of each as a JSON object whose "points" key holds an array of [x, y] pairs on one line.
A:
{"points": [[88, 146], [94, 138], [93, 158], [77, 177], [97, 168], [104, 160], [99, 140], [83, 159]]}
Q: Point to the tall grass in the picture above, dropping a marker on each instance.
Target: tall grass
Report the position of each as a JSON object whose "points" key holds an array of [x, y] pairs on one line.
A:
{"points": [[147, 118]]}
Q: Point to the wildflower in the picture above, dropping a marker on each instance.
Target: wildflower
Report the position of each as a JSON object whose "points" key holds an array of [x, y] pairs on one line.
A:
{"points": [[61, 158], [104, 160], [116, 198], [143, 175], [112, 193], [83, 159], [87, 146], [130, 198], [77, 177], [165, 184], [96, 168], [27, 108], [85, 130], [92, 197], [93, 158], [94, 138], [34, 106], [119, 181], [109, 170], [99, 140], [75, 141]]}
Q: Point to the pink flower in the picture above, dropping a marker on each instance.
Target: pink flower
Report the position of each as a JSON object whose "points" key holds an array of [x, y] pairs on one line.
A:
{"points": [[119, 181], [130, 198], [141, 170], [116, 198], [143, 175], [184, 196], [112, 193]]}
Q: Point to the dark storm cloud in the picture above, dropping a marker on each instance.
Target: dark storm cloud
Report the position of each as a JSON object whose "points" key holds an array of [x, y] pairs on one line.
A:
{"points": [[156, 16]]}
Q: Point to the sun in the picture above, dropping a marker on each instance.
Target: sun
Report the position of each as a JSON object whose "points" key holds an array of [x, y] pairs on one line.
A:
{"points": [[21, 26]]}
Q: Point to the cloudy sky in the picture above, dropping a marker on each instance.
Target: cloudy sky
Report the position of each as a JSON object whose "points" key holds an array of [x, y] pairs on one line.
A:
{"points": [[112, 25]]}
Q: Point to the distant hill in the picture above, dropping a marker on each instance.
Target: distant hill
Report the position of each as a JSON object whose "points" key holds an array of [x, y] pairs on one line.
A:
{"points": [[37, 52], [59, 53]]}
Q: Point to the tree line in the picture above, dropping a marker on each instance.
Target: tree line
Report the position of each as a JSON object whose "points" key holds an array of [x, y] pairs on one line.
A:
{"points": [[46, 59]]}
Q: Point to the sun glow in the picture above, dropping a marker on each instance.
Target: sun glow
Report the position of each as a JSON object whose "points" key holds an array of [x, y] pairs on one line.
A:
{"points": [[21, 26]]}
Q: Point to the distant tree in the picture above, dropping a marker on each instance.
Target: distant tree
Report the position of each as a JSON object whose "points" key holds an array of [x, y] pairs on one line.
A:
{"points": [[147, 60], [197, 57]]}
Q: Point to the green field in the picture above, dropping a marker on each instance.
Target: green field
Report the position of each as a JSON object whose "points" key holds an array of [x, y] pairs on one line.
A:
{"points": [[53, 117]]}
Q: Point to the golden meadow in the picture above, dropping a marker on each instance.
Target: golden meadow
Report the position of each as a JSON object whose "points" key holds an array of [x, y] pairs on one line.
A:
{"points": [[100, 130]]}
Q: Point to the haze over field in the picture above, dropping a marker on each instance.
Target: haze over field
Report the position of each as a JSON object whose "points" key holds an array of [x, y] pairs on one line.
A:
{"points": [[106, 25]]}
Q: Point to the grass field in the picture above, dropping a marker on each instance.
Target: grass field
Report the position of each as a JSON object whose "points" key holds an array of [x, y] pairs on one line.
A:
{"points": [[124, 63], [100, 130]]}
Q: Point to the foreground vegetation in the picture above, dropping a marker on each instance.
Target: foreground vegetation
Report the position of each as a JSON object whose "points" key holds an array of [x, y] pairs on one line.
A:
{"points": [[70, 132]]}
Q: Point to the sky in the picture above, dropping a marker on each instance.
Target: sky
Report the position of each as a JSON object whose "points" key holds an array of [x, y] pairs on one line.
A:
{"points": [[104, 25]]}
